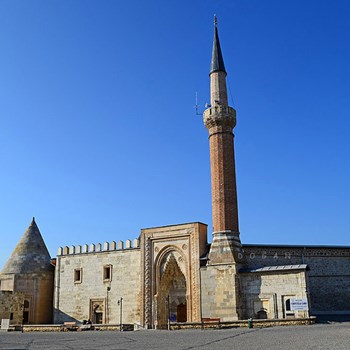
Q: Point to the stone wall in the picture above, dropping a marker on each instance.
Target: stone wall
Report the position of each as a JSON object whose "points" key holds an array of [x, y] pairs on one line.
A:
{"points": [[220, 295], [329, 272], [244, 323], [7, 282], [75, 299], [11, 306], [38, 291], [270, 291]]}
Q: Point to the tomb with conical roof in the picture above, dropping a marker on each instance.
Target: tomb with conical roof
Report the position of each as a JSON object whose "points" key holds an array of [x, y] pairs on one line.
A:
{"points": [[29, 271]]}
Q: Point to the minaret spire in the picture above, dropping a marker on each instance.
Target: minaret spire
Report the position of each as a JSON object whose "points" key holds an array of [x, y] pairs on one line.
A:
{"points": [[217, 61]]}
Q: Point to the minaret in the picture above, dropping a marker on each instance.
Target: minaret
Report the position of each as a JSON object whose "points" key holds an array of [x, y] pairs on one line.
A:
{"points": [[221, 299], [220, 119]]}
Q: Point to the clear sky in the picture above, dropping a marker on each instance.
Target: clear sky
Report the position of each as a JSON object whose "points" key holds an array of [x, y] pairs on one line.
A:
{"points": [[99, 136]]}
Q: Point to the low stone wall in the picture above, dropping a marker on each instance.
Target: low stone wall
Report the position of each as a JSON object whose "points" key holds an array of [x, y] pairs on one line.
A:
{"points": [[115, 327], [61, 328], [37, 328], [175, 326], [244, 323]]}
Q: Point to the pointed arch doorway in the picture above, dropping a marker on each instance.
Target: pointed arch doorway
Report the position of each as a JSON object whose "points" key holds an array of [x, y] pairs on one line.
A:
{"points": [[184, 243], [171, 297]]}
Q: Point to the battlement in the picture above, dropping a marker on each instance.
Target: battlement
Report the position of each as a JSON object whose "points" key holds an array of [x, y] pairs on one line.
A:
{"points": [[99, 247]]}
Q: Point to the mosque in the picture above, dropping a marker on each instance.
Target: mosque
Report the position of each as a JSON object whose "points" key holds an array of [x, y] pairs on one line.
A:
{"points": [[171, 273]]}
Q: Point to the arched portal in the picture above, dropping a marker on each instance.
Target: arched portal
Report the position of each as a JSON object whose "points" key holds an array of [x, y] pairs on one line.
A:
{"points": [[171, 292], [98, 315], [185, 243], [97, 311]]}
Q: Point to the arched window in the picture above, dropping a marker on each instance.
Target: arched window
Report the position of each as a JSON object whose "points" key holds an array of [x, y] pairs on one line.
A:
{"points": [[288, 311]]}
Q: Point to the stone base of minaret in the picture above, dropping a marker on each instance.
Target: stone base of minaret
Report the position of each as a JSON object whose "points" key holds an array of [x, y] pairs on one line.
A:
{"points": [[221, 292], [225, 248], [220, 278]]}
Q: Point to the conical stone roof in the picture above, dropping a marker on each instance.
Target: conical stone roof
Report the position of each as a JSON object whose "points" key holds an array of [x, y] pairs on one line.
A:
{"points": [[30, 254]]}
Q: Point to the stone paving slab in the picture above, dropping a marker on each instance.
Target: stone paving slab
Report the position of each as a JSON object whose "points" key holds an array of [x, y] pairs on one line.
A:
{"points": [[315, 337]]}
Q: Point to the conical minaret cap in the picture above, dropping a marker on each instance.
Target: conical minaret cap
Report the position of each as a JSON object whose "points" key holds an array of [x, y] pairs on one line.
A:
{"points": [[30, 254], [217, 61]]}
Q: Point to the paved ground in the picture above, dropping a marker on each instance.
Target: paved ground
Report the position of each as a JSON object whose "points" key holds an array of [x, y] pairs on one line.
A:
{"points": [[320, 336]]}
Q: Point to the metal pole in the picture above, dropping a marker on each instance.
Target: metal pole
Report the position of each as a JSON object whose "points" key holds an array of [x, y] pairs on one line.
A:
{"points": [[120, 302], [107, 304], [168, 312], [22, 318]]}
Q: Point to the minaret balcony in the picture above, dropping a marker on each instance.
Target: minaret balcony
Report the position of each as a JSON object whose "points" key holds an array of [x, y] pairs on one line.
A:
{"points": [[224, 116]]}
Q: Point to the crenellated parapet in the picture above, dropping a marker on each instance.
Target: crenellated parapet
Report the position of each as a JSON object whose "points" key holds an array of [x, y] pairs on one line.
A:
{"points": [[99, 247]]}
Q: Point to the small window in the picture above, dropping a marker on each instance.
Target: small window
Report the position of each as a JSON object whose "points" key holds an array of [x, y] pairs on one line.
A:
{"points": [[77, 275], [289, 312], [107, 273]]}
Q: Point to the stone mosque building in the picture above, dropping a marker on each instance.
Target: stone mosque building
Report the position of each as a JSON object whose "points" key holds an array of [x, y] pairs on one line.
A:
{"points": [[171, 272]]}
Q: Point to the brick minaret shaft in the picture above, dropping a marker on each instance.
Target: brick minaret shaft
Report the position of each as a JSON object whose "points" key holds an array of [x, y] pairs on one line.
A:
{"points": [[220, 119]]}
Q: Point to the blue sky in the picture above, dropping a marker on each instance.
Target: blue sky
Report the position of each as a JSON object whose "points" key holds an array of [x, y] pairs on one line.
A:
{"points": [[98, 132]]}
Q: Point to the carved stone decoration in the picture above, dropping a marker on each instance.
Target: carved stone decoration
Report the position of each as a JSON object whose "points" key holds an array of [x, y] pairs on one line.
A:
{"points": [[195, 295], [171, 288], [165, 250], [220, 116], [147, 294], [97, 306], [172, 255]]}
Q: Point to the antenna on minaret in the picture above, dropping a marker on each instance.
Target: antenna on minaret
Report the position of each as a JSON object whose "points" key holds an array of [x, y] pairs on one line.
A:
{"points": [[197, 109], [207, 105]]}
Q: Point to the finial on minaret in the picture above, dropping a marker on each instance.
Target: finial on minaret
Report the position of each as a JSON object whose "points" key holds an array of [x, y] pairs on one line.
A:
{"points": [[215, 21]]}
